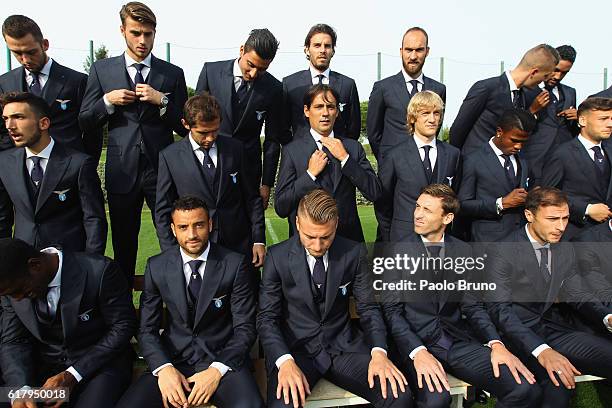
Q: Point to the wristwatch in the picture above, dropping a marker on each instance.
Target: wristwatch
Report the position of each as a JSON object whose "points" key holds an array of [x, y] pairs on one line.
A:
{"points": [[164, 101]]}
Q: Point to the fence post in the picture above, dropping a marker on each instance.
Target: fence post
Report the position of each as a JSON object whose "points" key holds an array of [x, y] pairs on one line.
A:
{"points": [[8, 59], [167, 52], [378, 72], [605, 78], [441, 70], [502, 67], [91, 52]]}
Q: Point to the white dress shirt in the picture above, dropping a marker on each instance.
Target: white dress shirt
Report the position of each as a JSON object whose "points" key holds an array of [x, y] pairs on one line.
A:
{"points": [[433, 152], [43, 75], [314, 73], [317, 137], [237, 72], [498, 153], [513, 86], [131, 69], [44, 156], [408, 78], [555, 90], [212, 152]]}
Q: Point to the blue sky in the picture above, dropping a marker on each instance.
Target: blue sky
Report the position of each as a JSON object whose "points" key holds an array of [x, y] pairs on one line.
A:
{"points": [[472, 36]]}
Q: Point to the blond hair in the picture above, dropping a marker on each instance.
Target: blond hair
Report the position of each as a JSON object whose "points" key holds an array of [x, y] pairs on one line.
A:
{"points": [[423, 99], [318, 206]]}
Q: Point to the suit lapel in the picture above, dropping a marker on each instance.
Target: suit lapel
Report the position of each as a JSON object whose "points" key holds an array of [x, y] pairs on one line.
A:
{"points": [[336, 82], [414, 160], [227, 90], [192, 166], [175, 279], [557, 268], [213, 274], [120, 76], [18, 157], [224, 163], [18, 78], [586, 165], [54, 84], [73, 284], [608, 152], [335, 273], [298, 268], [530, 262], [495, 167], [399, 85], [25, 311], [524, 167], [441, 163], [256, 94], [56, 167], [156, 80]]}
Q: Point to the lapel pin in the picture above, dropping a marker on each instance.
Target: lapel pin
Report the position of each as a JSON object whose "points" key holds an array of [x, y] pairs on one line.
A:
{"points": [[260, 114], [233, 175], [84, 317], [61, 195], [450, 181], [63, 103], [218, 303], [343, 289], [341, 106]]}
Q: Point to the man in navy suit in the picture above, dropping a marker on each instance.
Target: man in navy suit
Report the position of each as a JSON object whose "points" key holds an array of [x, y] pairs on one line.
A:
{"points": [[555, 107], [535, 274], [61, 87], [141, 99], [581, 167], [249, 97], [50, 194], [214, 169], [488, 98], [386, 121], [495, 179], [320, 160], [418, 161], [319, 47], [304, 321], [202, 354]]}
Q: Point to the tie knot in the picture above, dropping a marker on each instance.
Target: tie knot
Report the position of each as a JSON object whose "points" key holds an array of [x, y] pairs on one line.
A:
{"points": [[320, 77], [414, 82], [36, 160], [434, 250], [427, 148], [195, 265], [139, 67], [205, 150], [596, 149]]}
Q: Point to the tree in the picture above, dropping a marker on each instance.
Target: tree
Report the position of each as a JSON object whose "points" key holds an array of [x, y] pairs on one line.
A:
{"points": [[100, 53]]}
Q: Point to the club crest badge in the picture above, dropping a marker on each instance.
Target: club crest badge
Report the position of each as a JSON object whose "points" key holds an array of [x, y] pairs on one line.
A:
{"points": [[61, 195], [233, 176], [344, 289], [63, 103], [341, 106], [260, 115], [219, 302]]}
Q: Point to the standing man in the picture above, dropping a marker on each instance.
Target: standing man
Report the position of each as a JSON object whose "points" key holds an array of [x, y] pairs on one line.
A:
{"points": [[141, 98], [250, 96], [581, 167], [304, 321], [557, 114], [214, 169], [49, 193], [320, 47], [202, 355], [67, 321], [61, 87], [418, 161], [320, 160], [489, 98], [386, 121], [495, 179], [535, 275]]}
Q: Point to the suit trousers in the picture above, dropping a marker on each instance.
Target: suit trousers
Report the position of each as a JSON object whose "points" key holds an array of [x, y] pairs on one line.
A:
{"points": [[125, 213], [237, 389], [349, 371]]}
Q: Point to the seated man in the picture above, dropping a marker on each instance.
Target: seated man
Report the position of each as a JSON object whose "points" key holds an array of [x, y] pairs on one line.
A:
{"points": [[432, 335], [534, 274], [304, 321], [67, 322], [202, 353]]}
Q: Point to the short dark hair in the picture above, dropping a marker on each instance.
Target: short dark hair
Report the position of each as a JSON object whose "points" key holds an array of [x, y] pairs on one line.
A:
{"points": [[138, 11], [411, 29], [595, 104], [450, 202], [567, 53], [203, 107], [315, 90], [18, 26], [516, 119], [188, 203], [14, 256], [321, 29], [37, 104], [263, 42], [545, 197]]}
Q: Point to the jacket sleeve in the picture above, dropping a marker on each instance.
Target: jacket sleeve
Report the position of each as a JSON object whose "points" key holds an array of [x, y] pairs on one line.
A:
{"points": [[165, 195], [375, 120], [384, 205], [359, 171], [254, 203], [92, 204], [470, 110], [176, 101], [353, 125], [16, 349], [93, 115], [273, 137], [6, 212], [291, 186], [472, 206]]}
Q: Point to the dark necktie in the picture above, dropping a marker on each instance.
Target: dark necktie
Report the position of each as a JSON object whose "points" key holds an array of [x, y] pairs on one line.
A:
{"points": [[427, 164], [544, 270], [195, 280], [415, 88], [553, 97], [208, 166], [326, 178], [517, 100], [434, 252], [138, 78], [600, 161], [242, 91], [37, 171], [42, 309], [35, 87], [509, 170], [318, 274], [320, 76]]}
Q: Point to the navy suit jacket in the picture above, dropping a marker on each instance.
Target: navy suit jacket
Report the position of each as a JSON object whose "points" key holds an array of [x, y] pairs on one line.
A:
{"points": [[98, 321], [264, 105], [64, 92], [69, 210], [136, 123], [290, 321], [386, 121], [295, 86], [606, 93], [477, 118], [402, 177], [483, 181], [294, 182], [236, 209], [594, 252], [571, 169], [222, 328]]}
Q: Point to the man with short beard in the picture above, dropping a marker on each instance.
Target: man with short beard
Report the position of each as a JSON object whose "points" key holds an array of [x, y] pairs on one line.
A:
{"points": [[320, 47]]}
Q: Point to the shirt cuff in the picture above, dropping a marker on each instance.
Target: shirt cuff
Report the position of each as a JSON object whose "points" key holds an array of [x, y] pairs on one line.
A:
{"points": [[158, 369], [282, 359], [311, 176], [539, 350], [259, 243], [378, 349], [220, 366], [74, 373], [586, 211], [162, 111], [414, 352], [110, 108], [498, 205], [343, 162], [607, 323], [492, 342]]}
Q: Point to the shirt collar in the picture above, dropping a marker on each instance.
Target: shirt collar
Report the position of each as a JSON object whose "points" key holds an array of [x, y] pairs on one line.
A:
{"points": [[610, 225], [408, 78], [236, 69], [496, 149], [426, 241], [44, 154], [129, 61], [45, 69], [314, 72], [534, 242], [587, 143], [196, 146], [513, 86], [325, 255], [316, 136], [57, 280], [420, 143], [203, 256]]}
